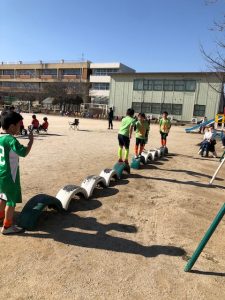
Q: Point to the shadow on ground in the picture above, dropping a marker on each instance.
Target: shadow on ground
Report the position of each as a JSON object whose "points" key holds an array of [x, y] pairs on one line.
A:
{"points": [[207, 273], [191, 173], [66, 229], [193, 183]]}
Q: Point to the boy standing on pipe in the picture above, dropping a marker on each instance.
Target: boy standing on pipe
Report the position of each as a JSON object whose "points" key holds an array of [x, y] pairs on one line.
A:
{"points": [[124, 136], [164, 128], [10, 150], [142, 130]]}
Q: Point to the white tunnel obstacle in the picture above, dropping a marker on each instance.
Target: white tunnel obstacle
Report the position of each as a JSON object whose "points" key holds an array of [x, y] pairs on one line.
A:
{"points": [[32, 209], [153, 154], [67, 193], [147, 156], [91, 182], [108, 174]]}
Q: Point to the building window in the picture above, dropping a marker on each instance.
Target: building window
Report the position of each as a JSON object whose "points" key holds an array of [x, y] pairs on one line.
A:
{"points": [[136, 106], [146, 107], [52, 72], [138, 85], [25, 72], [166, 107], [148, 85], [179, 85], [9, 84], [168, 85], [190, 85], [100, 86], [8, 72], [164, 85], [156, 108], [104, 72], [71, 71], [158, 85], [21, 85], [176, 109], [199, 110]]}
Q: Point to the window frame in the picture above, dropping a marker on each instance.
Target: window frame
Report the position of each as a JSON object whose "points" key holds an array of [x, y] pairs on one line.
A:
{"points": [[177, 83], [190, 90], [173, 110], [154, 85], [140, 84], [197, 114], [168, 90]]}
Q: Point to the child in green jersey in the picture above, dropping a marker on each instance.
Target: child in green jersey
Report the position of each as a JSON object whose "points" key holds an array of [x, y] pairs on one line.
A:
{"points": [[125, 133], [142, 129], [164, 128], [10, 150]]}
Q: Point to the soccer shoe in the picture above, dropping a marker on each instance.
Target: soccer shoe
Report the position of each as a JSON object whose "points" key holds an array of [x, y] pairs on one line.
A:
{"points": [[12, 230], [136, 156], [120, 161], [126, 162]]}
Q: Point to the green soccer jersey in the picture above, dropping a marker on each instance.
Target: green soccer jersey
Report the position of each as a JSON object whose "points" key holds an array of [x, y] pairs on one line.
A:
{"points": [[127, 122], [10, 150], [142, 129], [165, 125]]}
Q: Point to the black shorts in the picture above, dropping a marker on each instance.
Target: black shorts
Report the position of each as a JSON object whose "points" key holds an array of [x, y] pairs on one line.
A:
{"points": [[124, 141], [140, 142], [163, 135]]}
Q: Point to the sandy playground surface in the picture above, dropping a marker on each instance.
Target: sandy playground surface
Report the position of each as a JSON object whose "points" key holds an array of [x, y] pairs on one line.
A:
{"points": [[130, 241]]}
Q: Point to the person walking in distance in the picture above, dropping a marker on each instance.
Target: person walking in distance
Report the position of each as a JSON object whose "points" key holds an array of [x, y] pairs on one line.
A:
{"points": [[110, 118]]}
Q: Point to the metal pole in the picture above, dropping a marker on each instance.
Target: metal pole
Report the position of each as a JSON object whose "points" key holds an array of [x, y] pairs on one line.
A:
{"points": [[205, 239], [214, 176]]}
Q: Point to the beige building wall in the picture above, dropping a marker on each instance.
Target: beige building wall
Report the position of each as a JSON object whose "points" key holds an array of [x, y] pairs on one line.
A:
{"points": [[123, 95]]}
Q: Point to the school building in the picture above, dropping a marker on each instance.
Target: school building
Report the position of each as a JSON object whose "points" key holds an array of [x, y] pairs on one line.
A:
{"points": [[183, 95], [23, 77], [100, 79]]}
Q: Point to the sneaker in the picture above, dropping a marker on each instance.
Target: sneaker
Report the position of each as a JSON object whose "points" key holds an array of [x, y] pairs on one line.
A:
{"points": [[139, 156], [126, 162], [120, 161], [12, 230], [136, 156]]}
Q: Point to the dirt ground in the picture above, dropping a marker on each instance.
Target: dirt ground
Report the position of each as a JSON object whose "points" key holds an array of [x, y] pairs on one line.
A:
{"points": [[130, 241]]}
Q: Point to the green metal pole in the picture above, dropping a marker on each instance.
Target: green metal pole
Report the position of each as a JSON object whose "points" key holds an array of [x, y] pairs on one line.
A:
{"points": [[205, 239]]}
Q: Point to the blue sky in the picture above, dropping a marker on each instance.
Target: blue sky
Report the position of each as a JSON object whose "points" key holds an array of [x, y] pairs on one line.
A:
{"points": [[148, 35]]}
